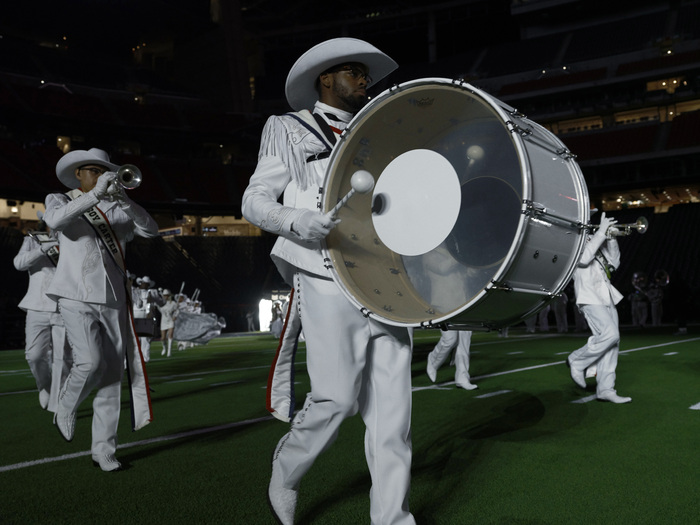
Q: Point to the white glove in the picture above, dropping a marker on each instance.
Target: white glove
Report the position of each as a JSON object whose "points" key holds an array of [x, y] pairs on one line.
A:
{"points": [[117, 193], [312, 226], [605, 223], [46, 246], [104, 186]]}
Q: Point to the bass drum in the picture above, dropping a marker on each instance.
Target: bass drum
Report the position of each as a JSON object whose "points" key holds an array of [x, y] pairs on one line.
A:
{"points": [[477, 217]]}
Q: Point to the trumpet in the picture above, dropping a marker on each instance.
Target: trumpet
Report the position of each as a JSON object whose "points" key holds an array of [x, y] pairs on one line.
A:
{"points": [[641, 225], [129, 176]]}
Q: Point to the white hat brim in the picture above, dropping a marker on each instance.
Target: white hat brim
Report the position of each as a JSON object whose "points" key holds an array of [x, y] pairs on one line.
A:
{"points": [[300, 87], [65, 168]]}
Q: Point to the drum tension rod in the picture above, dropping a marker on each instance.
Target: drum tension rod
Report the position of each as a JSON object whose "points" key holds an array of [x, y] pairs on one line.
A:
{"points": [[508, 288], [537, 211]]}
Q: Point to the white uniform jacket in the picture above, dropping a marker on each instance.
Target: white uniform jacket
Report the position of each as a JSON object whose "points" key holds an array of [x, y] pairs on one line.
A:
{"points": [[41, 270], [289, 163], [591, 283], [84, 261]]}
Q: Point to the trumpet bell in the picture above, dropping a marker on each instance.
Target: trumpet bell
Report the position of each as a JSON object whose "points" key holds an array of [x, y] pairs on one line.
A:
{"points": [[129, 176], [642, 225]]}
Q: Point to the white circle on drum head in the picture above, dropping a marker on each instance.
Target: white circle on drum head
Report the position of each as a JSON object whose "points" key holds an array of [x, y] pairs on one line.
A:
{"points": [[416, 202]]}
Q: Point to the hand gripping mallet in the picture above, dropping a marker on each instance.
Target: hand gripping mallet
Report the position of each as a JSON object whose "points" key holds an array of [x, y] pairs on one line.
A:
{"points": [[360, 182]]}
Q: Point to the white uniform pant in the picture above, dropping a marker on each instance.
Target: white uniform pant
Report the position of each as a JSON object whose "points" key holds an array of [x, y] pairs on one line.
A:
{"points": [[145, 343], [46, 352], [354, 364], [640, 312], [37, 350], [95, 333], [602, 347], [560, 315], [448, 341]]}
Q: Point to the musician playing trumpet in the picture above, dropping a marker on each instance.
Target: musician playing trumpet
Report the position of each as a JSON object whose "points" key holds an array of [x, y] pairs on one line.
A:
{"points": [[597, 298], [90, 287]]}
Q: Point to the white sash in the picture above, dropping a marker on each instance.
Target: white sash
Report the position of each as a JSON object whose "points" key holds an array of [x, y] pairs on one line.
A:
{"points": [[98, 220]]}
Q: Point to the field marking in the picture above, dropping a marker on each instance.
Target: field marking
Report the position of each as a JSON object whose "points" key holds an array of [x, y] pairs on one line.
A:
{"points": [[43, 461], [671, 353], [556, 363], [586, 399], [18, 392], [160, 439], [492, 394], [440, 386], [226, 383]]}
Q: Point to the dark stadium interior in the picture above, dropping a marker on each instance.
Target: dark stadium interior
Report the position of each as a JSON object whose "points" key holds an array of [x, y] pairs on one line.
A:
{"points": [[182, 88]]}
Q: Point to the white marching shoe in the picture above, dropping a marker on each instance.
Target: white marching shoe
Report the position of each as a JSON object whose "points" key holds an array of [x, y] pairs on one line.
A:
{"points": [[576, 375], [613, 397], [107, 462], [65, 424], [283, 502], [431, 370], [43, 399], [466, 385]]}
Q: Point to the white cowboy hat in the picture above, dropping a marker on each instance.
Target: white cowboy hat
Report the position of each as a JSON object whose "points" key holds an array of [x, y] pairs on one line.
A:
{"points": [[146, 279], [301, 80], [65, 168], [166, 292]]}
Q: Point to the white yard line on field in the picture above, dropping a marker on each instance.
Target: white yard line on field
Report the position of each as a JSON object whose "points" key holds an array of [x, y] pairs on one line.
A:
{"points": [[160, 439]]}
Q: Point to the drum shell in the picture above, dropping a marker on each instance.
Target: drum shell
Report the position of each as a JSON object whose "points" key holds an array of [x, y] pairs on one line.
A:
{"points": [[145, 327], [532, 196]]}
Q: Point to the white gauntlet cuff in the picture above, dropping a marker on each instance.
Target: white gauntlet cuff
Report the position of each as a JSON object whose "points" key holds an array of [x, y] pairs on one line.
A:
{"points": [[279, 219]]}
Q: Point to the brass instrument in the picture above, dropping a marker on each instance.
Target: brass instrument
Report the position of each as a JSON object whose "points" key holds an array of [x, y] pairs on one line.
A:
{"points": [[41, 236], [641, 225], [661, 278], [129, 176]]}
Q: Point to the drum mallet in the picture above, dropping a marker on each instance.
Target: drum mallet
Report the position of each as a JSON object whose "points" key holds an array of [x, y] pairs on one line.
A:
{"points": [[360, 182]]}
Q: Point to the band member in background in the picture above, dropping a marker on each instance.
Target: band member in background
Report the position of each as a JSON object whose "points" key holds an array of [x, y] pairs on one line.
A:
{"points": [[168, 313], [94, 222], [449, 340], [144, 297], [354, 362], [596, 297], [46, 349]]}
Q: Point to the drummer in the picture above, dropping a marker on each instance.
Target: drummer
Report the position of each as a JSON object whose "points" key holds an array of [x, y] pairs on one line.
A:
{"points": [[355, 363]]}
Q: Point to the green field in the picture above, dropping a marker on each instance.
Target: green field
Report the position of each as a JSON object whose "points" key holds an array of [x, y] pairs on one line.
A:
{"points": [[527, 447]]}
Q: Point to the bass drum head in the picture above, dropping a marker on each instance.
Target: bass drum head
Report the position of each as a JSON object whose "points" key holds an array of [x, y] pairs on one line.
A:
{"points": [[459, 248]]}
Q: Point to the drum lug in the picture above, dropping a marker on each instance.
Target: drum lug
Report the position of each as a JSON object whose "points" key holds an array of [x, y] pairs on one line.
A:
{"points": [[523, 132], [501, 286], [516, 114], [534, 209], [565, 154]]}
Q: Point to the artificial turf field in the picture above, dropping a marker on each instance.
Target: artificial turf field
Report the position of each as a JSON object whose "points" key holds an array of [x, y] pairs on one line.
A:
{"points": [[527, 447]]}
